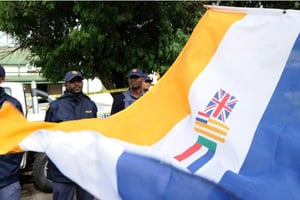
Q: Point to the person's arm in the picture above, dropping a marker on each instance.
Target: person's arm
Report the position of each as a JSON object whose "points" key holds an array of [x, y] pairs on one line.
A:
{"points": [[118, 104], [19, 107], [95, 109], [49, 113]]}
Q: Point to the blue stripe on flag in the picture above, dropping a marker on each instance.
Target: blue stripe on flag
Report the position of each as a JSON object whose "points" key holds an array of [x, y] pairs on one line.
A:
{"points": [[145, 178], [197, 164], [201, 120], [274, 154]]}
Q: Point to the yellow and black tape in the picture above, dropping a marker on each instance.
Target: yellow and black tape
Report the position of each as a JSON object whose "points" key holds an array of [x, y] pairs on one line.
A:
{"points": [[89, 93]]}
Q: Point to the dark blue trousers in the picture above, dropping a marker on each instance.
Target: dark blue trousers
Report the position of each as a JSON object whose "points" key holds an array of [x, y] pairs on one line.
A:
{"points": [[66, 191]]}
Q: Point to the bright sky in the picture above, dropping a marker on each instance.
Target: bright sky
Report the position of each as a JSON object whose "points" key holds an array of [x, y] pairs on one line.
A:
{"points": [[4, 39]]}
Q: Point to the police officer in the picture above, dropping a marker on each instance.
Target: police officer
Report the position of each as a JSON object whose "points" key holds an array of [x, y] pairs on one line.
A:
{"points": [[72, 105], [147, 82], [9, 164], [135, 91]]}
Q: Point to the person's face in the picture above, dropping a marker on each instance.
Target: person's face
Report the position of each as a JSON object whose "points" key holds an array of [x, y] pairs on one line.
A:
{"points": [[135, 82], [75, 85], [146, 85]]}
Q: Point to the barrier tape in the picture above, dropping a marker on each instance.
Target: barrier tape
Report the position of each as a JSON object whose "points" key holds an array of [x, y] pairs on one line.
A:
{"points": [[89, 93], [108, 91]]}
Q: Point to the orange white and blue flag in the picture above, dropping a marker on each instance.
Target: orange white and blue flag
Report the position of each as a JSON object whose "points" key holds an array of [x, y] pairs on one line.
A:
{"points": [[222, 123]]}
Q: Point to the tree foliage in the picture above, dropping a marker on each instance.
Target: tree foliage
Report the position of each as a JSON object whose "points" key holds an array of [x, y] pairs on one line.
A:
{"points": [[103, 39]]}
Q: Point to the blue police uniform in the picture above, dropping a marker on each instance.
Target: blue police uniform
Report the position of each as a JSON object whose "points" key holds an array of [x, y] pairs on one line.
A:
{"points": [[122, 101], [65, 108], [10, 163]]}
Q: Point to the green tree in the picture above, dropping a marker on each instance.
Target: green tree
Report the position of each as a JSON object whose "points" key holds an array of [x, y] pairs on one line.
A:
{"points": [[103, 39]]}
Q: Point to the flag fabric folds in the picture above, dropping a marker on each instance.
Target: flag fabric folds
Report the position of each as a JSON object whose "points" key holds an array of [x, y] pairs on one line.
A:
{"points": [[222, 123]]}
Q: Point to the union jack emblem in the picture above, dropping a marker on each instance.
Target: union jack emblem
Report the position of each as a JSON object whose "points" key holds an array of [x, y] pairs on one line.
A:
{"points": [[221, 105]]}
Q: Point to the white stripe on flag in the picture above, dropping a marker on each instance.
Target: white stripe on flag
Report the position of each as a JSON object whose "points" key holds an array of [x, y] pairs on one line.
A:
{"points": [[86, 157]]}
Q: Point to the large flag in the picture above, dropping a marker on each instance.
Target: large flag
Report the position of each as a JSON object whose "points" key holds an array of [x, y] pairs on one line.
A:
{"points": [[222, 123]]}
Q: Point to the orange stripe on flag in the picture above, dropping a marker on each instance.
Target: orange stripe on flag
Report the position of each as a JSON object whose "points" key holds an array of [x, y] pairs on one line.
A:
{"points": [[218, 123], [15, 127], [211, 128], [210, 135], [161, 108]]}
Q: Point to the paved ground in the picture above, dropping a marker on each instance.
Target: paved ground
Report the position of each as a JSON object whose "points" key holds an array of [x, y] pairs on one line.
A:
{"points": [[30, 193]]}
